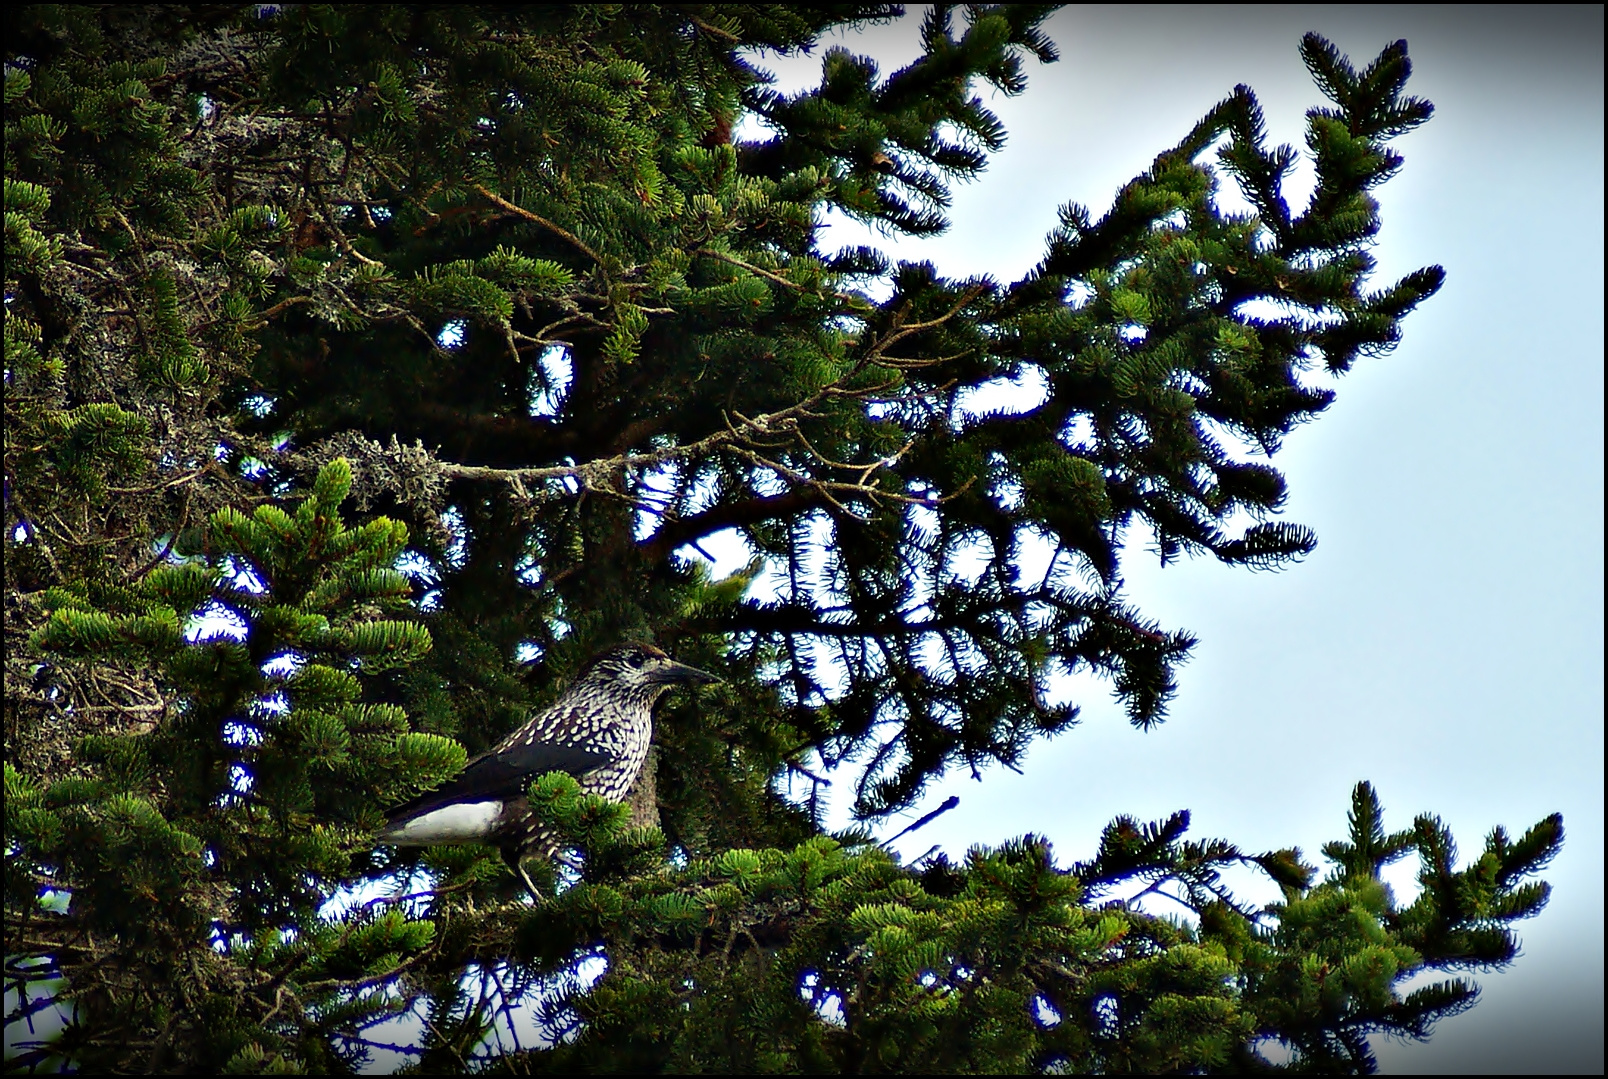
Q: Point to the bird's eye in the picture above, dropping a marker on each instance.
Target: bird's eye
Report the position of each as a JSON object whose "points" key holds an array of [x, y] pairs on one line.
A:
{"points": [[634, 661]]}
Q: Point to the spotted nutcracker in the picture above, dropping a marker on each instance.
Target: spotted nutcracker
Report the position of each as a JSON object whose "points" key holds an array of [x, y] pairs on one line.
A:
{"points": [[598, 732]]}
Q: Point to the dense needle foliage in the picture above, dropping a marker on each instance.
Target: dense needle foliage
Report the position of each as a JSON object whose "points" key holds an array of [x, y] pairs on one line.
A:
{"points": [[369, 367]]}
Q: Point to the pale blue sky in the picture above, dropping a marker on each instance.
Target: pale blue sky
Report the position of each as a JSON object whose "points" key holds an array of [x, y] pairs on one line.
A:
{"points": [[1445, 640]]}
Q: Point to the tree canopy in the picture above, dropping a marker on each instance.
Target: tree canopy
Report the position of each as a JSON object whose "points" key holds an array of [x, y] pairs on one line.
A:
{"points": [[371, 367]]}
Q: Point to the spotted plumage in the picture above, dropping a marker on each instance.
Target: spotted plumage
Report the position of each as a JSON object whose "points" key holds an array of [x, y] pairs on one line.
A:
{"points": [[598, 731]]}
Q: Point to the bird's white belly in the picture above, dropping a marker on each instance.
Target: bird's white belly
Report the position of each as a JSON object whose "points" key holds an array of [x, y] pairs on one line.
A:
{"points": [[469, 822]]}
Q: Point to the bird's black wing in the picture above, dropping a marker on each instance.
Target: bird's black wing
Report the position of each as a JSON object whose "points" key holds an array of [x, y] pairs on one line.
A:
{"points": [[501, 775]]}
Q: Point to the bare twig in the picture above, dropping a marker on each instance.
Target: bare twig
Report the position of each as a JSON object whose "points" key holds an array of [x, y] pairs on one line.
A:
{"points": [[34, 534], [520, 211], [184, 519], [858, 303], [290, 301], [186, 478], [340, 237], [743, 437]]}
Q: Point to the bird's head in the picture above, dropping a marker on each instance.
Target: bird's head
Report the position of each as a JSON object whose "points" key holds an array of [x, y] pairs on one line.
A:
{"points": [[638, 670]]}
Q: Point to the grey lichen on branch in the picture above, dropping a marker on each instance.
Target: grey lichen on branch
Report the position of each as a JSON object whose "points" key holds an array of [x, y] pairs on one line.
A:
{"points": [[418, 478]]}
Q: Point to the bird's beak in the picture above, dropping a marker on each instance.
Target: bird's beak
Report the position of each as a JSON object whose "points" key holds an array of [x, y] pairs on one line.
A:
{"points": [[680, 672]]}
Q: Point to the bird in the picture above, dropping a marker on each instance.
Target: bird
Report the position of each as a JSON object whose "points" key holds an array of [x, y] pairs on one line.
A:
{"points": [[598, 731]]}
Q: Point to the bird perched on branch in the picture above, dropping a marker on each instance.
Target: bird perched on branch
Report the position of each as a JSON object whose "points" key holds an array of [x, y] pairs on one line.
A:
{"points": [[598, 732]]}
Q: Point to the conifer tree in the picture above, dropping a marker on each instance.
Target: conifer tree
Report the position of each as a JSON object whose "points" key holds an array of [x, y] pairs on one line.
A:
{"points": [[370, 367]]}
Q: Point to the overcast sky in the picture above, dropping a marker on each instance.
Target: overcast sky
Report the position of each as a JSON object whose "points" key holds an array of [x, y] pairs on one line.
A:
{"points": [[1445, 640]]}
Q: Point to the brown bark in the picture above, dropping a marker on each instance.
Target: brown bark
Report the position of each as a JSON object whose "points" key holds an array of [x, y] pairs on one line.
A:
{"points": [[644, 794]]}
